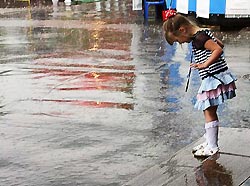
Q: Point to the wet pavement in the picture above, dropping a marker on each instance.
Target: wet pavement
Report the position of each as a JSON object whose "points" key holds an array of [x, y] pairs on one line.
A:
{"points": [[229, 167], [93, 96]]}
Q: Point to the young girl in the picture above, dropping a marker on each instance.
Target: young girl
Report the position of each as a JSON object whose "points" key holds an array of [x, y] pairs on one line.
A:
{"points": [[217, 83]]}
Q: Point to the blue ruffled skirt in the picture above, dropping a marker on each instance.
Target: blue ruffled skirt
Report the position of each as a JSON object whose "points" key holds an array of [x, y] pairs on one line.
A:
{"points": [[214, 90]]}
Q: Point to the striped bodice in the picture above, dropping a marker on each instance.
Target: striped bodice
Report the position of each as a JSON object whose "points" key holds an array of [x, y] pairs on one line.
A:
{"points": [[201, 55]]}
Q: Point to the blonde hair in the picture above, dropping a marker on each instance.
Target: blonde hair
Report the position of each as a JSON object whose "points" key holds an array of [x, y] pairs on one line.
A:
{"points": [[171, 26]]}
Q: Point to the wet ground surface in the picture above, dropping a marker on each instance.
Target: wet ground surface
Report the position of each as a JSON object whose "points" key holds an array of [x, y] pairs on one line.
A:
{"points": [[90, 95], [229, 167]]}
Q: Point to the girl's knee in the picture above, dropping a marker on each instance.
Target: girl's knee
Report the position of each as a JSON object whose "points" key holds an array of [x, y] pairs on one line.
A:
{"points": [[211, 114]]}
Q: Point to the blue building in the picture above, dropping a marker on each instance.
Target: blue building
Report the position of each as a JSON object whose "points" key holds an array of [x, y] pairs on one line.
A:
{"points": [[226, 13]]}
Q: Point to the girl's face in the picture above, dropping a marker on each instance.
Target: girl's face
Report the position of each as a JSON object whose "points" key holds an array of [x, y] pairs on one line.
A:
{"points": [[182, 39]]}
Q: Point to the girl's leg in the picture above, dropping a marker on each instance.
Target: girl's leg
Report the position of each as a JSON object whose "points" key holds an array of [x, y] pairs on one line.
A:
{"points": [[211, 127], [211, 114]]}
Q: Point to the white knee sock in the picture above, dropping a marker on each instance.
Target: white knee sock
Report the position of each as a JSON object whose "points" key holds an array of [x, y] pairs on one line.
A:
{"points": [[212, 133]]}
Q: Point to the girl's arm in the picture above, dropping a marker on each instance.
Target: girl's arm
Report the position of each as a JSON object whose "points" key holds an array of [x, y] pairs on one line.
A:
{"points": [[216, 50], [219, 42]]}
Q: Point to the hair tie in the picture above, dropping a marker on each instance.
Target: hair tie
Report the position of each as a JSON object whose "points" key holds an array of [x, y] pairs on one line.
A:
{"points": [[168, 14]]}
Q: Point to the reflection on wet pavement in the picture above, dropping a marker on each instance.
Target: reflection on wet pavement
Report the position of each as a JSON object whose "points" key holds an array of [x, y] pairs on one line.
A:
{"points": [[79, 76], [211, 172], [69, 106]]}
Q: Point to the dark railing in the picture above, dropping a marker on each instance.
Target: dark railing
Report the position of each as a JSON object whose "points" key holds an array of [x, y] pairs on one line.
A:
{"points": [[24, 3]]}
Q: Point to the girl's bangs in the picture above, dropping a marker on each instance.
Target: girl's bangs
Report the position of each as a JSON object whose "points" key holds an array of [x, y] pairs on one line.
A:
{"points": [[168, 38]]}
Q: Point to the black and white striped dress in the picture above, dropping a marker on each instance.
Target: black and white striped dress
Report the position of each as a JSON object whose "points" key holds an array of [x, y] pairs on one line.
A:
{"points": [[218, 84]]}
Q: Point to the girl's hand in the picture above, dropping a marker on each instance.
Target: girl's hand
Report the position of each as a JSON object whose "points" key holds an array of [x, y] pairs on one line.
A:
{"points": [[198, 66]]}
